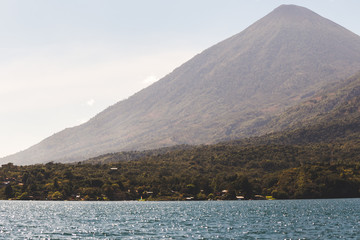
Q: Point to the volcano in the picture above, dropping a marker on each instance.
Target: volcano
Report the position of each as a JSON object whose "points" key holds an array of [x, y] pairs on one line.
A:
{"points": [[226, 92]]}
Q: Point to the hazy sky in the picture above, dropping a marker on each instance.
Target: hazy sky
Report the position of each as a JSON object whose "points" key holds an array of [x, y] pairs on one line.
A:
{"points": [[64, 61]]}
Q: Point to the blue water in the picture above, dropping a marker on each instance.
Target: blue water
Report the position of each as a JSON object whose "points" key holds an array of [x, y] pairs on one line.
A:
{"points": [[291, 219]]}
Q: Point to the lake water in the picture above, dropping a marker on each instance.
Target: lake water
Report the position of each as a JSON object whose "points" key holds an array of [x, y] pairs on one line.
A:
{"points": [[288, 219]]}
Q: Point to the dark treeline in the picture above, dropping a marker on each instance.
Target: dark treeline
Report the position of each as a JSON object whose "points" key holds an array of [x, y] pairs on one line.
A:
{"points": [[222, 171]]}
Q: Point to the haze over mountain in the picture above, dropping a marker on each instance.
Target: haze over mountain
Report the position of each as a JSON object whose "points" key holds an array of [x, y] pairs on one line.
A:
{"points": [[330, 117], [228, 91]]}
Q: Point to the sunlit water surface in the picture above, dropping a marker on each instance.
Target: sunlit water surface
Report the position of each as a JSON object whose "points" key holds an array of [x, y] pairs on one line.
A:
{"points": [[292, 219]]}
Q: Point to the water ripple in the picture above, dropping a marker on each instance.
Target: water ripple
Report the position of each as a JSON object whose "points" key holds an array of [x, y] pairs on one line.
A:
{"points": [[292, 219]]}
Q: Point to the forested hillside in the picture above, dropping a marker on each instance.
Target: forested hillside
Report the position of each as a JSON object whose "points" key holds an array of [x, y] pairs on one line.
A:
{"points": [[221, 171]]}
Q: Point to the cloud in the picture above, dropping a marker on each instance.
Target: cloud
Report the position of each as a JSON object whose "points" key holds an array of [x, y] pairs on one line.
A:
{"points": [[150, 80], [90, 102], [81, 121]]}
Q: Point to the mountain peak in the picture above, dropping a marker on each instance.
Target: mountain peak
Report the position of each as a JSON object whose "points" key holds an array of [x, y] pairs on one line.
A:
{"points": [[292, 12], [291, 9]]}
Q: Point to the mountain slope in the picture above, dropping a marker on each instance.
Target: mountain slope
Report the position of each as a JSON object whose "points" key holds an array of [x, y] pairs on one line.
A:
{"points": [[330, 118], [226, 92], [335, 104]]}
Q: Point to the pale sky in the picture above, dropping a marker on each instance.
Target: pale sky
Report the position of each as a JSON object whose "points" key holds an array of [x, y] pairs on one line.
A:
{"points": [[64, 61]]}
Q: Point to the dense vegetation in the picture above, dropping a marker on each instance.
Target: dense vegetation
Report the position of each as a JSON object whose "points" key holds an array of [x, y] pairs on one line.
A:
{"points": [[221, 171]]}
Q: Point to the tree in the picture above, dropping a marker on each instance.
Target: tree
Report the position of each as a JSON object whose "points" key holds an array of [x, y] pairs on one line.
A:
{"points": [[242, 183], [9, 191], [56, 184]]}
